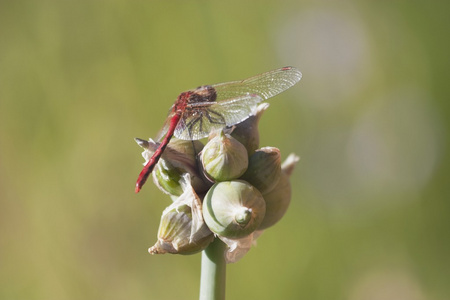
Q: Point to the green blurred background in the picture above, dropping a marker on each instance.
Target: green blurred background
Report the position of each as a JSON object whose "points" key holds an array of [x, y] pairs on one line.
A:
{"points": [[369, 218]]}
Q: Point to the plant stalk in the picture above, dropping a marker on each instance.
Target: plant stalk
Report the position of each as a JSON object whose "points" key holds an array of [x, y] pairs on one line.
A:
{"points": [[213, 272]]}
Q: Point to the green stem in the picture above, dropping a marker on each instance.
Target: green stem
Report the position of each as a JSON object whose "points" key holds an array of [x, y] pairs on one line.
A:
{"points": [[213, 273]]}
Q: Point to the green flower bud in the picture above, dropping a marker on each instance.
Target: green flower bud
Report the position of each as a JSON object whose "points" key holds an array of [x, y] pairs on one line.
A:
{"points": [[182, 229], [278, 199], [233, 209], [175, 231], [264, 169], [224, 158], [247, 132], [277, 202], [178, 158], [166, 177]]}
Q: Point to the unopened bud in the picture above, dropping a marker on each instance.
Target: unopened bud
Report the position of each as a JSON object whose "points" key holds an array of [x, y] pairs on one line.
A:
{"points": [[233, 209], [178, 159], [278, 199], [224, 158], [182, 229], [264, 169]]}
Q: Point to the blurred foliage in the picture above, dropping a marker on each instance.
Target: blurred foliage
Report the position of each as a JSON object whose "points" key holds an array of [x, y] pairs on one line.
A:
{"points": [[80, 79]]}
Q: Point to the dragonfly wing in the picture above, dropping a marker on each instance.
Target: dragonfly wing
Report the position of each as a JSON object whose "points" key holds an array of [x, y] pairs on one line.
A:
{"points": [[266, 85], [191, 128], [200, 119], [236, 110], [162, 132]]}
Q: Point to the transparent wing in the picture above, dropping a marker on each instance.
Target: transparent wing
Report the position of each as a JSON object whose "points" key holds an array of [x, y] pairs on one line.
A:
{"points": [[236, 110], [162, 132], [235, 102], [200, 119], [265, 85]]}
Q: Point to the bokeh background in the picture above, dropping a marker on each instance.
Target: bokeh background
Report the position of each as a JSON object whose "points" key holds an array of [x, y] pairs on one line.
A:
{"points": [[369, 218]]}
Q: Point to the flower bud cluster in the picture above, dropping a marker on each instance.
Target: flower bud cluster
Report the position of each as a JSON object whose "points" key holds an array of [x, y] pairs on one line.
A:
{"points": [[230, 189]]}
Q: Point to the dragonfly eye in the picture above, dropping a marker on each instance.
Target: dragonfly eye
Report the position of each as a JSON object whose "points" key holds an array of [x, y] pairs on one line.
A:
{"points": [[205, 93]]}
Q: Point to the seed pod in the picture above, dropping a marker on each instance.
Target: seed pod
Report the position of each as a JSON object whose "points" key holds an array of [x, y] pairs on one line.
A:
{"points": [[233, 209], [224, 158], [247, 132], [264, 169], [182, 229]]}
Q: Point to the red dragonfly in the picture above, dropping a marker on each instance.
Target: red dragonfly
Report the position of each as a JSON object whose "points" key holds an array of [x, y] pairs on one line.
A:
{"points": [[197, 113]]}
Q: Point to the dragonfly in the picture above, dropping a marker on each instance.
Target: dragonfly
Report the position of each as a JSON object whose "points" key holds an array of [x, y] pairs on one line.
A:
{"points": [[198, 112]]}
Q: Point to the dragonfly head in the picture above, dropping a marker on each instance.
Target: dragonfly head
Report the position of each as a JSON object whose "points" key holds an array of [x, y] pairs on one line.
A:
{"points": [[204, 93]]}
